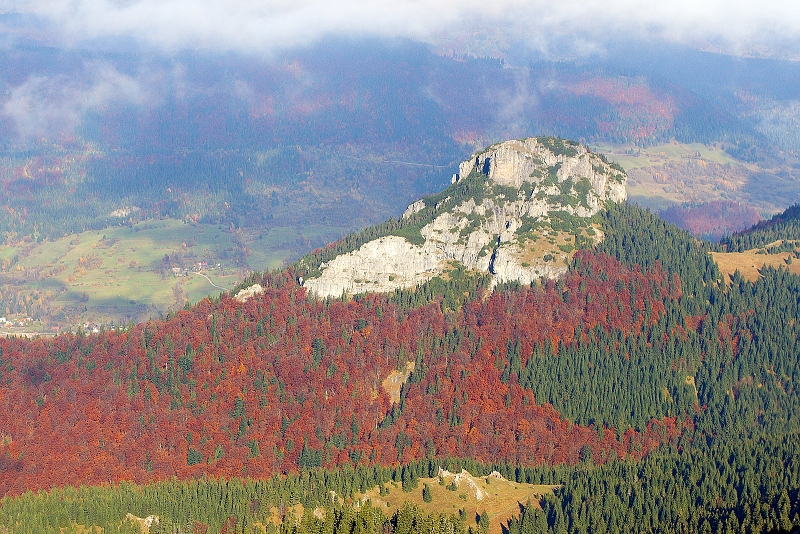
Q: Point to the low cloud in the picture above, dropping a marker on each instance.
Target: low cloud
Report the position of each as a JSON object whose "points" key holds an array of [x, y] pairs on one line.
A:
{"points": [[53, 106], [515, 104], [263, 26]]}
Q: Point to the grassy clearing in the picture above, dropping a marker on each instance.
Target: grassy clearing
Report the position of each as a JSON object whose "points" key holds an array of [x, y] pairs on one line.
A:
{"points": [[393, 383], [8, 253], [554, 248], [502, 499], [545, 248], [749, 262]]}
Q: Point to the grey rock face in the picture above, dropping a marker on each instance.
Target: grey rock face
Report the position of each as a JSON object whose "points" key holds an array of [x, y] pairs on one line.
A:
{"points": [[501, 230]]}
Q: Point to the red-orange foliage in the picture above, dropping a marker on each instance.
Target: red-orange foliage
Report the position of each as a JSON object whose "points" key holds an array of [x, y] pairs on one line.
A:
{"points": [[287, 372]]}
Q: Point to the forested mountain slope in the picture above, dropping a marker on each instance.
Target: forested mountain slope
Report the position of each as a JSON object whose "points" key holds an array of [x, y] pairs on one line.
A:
{"points": [[662, 398], [283, 381]]}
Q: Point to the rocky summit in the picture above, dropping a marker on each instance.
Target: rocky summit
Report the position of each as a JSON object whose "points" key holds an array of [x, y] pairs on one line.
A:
{"points": [[516, 210]]}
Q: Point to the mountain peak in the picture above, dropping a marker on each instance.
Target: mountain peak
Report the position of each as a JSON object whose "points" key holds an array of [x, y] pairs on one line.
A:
{"points": [[516, 210]]}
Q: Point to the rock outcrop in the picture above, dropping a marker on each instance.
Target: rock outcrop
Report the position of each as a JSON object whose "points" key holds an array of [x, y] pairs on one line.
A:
{"points": [[246, 293], [464, 478], [515, 210]]}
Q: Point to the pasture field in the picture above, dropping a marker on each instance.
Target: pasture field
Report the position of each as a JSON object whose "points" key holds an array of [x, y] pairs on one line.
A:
{"points": [[750, 262], [131, 273], [631, 157]]}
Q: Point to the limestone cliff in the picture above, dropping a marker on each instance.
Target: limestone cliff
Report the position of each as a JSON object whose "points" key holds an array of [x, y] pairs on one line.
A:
{"points": [[516, 210]]}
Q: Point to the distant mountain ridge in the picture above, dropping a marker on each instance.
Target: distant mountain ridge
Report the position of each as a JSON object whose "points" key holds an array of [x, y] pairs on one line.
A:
{"points": [[516, 210]]}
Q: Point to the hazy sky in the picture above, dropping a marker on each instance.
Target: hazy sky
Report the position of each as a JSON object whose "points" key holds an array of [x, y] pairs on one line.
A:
{"points": [[266, 25]]}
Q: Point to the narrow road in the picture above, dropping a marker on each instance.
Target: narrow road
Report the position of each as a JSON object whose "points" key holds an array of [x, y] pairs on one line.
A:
{"points": [[209, 280]]}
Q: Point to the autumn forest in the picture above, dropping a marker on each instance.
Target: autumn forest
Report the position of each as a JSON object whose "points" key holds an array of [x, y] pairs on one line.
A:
{"points": [[643, 355]]}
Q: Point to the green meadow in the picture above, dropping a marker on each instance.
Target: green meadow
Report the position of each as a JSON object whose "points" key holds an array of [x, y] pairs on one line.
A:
{"points": [[631, 157], [132, 273]]}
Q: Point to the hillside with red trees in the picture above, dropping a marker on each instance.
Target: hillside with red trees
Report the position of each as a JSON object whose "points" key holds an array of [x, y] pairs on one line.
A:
{"points": [[712, 220], [284, 381]]}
